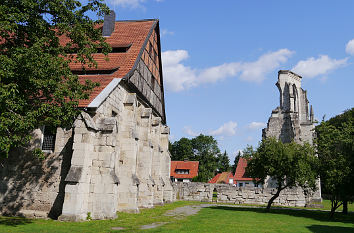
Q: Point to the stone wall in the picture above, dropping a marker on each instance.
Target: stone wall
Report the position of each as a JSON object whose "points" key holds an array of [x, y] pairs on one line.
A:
{"points": [[34, 187], [114, 158], [227, 193]]}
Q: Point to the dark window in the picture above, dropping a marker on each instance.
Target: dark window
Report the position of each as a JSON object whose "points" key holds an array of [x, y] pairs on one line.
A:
{"points": [[94, 72], [48, 143]]}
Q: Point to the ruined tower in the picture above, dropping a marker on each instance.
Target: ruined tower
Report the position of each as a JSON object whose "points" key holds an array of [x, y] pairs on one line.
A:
{"points": [[292, 120]]}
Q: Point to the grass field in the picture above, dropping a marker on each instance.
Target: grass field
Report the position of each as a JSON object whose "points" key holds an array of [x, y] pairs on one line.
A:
{"points": [[209, 219]]}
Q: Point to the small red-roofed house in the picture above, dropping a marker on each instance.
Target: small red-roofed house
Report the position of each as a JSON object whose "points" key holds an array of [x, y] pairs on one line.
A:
{"points": [[184, 171], [223, 178], [241, 179]]}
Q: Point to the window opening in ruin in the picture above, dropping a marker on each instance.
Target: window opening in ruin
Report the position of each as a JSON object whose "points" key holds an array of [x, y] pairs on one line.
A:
{"points": [[48, 140], [114, 114], [215, 195]]}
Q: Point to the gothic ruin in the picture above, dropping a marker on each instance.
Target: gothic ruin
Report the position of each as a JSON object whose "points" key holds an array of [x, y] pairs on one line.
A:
{"points": [[292, 120]]}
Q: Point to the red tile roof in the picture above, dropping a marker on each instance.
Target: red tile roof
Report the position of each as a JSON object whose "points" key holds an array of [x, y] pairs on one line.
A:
{"points": [[192, 166], [222, 178], [240, 170], [125, 33]]}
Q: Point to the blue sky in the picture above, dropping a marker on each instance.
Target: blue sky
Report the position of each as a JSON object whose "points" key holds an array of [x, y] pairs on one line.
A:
{"points": [[221, 59]]}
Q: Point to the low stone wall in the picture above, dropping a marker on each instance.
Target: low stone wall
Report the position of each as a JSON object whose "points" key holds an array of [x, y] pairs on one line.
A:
{"points": [[227, 193]]}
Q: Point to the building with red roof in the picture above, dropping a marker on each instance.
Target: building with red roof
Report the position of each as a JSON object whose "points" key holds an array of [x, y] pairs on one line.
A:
{"points": [[241, 179], [184, 171], [115, 157], [223, 178]]}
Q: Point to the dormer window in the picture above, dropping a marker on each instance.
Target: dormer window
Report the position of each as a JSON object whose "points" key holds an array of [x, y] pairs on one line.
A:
{"points": [[182, 171]]}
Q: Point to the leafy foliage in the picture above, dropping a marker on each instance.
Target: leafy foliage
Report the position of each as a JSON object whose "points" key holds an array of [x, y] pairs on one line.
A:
{"points": [[223, 162], [203, 149], [289, 164], [237, 158], [335, 145], [36, 85]]}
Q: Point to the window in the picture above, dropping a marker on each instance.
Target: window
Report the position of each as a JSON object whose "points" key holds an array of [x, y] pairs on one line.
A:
{"points": [[240, 184], [182, 171], [48, 140]]}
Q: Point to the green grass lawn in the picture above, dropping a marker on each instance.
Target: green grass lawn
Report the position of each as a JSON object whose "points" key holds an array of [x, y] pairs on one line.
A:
{"points": [[210, 219]]}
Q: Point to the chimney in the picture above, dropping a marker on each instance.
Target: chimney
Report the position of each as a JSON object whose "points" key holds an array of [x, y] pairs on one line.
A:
{"points": [[109, 23]]}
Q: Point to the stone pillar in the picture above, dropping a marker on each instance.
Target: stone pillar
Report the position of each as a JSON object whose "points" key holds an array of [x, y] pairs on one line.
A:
{"points": [[92, 183], [156, 161], [166, 164], [144, 160], [75, 207], [128, 139]]}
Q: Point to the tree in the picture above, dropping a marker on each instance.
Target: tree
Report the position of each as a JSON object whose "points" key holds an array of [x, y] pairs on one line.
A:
{"points": [[335, 146], [289, 164], [181, 150], [223, 162], [201, 148], [237, 158], [36, 85]]}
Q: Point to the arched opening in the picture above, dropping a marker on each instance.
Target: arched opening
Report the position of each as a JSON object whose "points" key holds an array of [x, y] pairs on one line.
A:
{"points": [[215, 195], [296, 99]]}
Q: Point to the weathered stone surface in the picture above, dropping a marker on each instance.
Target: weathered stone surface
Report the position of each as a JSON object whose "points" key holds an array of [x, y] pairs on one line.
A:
{"points": [[74, 174], [226, 193]]}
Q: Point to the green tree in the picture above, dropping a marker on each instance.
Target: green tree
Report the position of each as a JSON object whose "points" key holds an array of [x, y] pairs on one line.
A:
{"points": [[206, 151], [36, 85], [289, 164], [223, 162], [181, 150], [203, 149], [335, 146], [237, 158]]}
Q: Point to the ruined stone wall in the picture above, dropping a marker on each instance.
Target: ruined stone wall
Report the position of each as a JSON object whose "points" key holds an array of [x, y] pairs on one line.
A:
{"points": [[113, 159], [34, 187], [120, 155], [227, 193]]}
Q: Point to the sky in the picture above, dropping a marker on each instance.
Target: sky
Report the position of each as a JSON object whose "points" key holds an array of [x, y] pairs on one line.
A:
{"points": [[221, 61]]}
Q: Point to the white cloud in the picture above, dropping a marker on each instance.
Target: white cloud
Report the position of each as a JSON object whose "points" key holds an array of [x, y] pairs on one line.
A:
{"points": [[349, 48], [227, 129], [129, 3], [256, 125], [313, 67], [189, 131], [255, 71], [165, 32], [179, 77]]}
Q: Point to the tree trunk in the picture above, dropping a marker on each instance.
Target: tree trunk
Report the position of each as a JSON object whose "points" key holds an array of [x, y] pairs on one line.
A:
{"points": [[272, 199], [334, 206], [345, 207]]}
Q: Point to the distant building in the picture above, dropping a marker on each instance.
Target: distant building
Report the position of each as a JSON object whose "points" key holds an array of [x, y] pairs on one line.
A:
{"points": [[223, 178], [241, 179], [184, 171]]}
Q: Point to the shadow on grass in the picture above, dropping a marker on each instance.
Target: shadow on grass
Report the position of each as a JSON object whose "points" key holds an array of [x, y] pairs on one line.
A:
{"points": [[14, 221], [313, 214], [330, 229]]}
